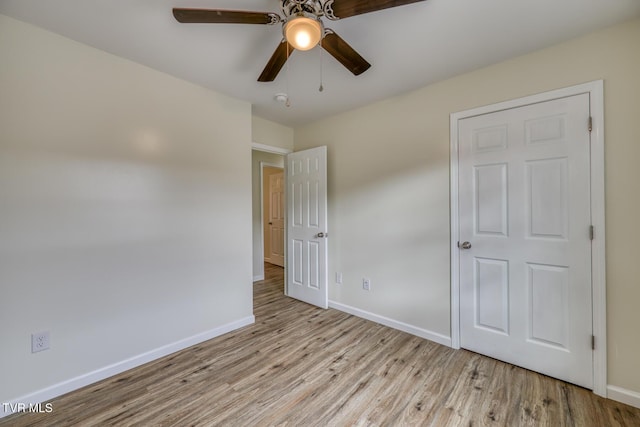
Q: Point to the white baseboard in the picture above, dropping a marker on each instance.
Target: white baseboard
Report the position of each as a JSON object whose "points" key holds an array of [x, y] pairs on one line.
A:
{"points": [[72, 384], [258, 277], [623, 395], [395, 324]]}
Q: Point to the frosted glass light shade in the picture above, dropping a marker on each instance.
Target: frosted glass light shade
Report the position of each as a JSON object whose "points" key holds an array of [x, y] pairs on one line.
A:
{"points": [[303, 33]]}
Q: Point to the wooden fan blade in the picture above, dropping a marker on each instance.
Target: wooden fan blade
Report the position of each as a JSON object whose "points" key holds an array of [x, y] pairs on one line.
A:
{"points": [[345, 54], [347, 8], [208, 16], [278, 59]]}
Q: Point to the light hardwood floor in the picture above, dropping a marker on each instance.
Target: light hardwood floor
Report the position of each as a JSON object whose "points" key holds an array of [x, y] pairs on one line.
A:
{"points": [[303, 366]]}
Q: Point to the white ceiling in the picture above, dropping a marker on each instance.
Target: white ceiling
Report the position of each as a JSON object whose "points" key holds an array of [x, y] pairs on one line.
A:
{"points": [[409, 46]]}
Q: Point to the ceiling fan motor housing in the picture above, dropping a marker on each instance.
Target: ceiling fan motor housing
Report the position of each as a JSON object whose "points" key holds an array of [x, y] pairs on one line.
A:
{"points": [[314, 7]]}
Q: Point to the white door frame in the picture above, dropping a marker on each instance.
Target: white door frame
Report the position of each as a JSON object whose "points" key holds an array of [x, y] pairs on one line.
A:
{"points": [[283, 152], [595, 91]]}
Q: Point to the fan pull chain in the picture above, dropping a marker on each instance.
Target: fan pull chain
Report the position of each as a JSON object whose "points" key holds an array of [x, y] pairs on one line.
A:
{"points": [[287, 102], [321, 88]]}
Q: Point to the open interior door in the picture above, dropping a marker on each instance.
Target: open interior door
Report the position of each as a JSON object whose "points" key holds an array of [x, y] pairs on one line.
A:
{"points": [[307, 226]]}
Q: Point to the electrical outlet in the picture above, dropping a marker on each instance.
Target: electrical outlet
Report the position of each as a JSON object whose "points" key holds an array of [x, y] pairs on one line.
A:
{"points": [[366, 284], [339, 278], [40, 341]]}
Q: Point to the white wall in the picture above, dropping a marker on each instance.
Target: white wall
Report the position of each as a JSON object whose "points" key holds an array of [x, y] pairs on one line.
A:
{"points": [[388, 176], [125, 209]]}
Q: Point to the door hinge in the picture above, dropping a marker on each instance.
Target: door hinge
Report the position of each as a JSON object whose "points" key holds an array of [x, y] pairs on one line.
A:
{"points": [[590, 123], [591, 232], [593, 342]]}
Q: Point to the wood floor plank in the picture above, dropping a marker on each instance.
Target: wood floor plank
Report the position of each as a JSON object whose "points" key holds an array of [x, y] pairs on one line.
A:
{"points": [[299, 365]]}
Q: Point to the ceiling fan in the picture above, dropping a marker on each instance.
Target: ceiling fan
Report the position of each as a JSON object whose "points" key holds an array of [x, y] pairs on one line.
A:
{"points": [[302, 28]]}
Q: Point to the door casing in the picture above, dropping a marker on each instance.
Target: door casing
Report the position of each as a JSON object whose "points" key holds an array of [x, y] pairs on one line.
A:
{"points": [[273, 150], [595, 90]]}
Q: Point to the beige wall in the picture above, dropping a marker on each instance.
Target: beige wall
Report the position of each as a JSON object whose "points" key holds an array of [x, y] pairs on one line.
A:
{"points": [[270, 133], [125, 209], [389, 186]]}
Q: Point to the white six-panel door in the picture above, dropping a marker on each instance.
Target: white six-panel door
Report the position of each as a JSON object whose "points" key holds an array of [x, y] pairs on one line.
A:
{"points": [[524, 222], [307, 226]]}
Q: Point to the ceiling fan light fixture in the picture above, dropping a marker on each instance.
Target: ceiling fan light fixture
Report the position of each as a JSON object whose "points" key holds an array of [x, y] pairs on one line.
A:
{"points": [[302, 32]]}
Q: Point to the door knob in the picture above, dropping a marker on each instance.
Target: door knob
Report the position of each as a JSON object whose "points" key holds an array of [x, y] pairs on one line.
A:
{"points": [[321, 235], [270, 223], [464, 245]]}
